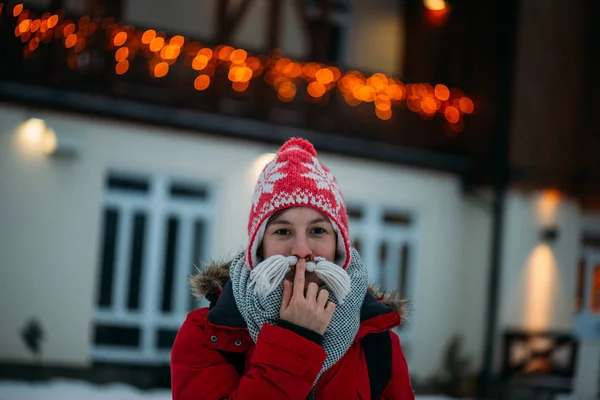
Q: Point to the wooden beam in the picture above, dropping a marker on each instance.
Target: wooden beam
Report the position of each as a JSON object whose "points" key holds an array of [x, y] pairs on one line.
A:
{"points": [[221, 20], [274, 29], [234, 21]]}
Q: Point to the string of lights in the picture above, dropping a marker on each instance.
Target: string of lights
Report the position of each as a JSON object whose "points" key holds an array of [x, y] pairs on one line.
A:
{"points": [[285, 75]]}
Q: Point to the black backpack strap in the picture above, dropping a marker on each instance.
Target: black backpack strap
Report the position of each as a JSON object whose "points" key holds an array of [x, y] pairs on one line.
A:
{"points": [[378, 354]]}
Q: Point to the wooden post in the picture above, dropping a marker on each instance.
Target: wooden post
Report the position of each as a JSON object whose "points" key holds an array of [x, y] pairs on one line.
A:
{"points": [[274, 30]]}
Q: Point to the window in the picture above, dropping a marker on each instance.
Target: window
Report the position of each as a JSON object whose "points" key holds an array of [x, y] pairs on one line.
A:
{"points": [[387, 240], [155, 231]]}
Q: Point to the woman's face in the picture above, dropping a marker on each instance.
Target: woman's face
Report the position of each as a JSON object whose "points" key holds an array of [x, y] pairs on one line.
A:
{"points": [[302, 232]]}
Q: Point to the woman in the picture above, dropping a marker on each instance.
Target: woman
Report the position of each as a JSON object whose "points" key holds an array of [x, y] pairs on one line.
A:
{"points": [[292, 316]]}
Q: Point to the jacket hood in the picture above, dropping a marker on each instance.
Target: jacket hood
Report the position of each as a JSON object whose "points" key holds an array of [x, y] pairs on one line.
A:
{"points": [[210, 281]]}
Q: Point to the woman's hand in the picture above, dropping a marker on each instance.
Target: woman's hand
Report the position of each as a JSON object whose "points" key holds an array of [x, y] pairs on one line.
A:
{"points": [[311, 311]]}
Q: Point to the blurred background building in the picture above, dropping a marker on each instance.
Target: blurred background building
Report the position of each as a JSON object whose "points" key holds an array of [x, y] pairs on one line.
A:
{"points": [[462, 134]]}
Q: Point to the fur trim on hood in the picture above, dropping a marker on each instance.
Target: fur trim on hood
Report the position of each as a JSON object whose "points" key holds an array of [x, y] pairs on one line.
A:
{"points": [[209, 282]]}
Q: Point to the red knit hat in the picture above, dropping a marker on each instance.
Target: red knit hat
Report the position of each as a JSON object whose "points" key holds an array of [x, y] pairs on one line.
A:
{"points": [[296, 178]]}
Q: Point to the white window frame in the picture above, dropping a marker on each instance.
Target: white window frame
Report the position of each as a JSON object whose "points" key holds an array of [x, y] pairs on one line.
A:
{"points": [[158, 206], [372, 231]]}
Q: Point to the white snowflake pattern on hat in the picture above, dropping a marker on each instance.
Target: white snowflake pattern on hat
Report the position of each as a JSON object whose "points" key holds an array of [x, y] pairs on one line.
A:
{"points": [[325, 180], [267, 180]]}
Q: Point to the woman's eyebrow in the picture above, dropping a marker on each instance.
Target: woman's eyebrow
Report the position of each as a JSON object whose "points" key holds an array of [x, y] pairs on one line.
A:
{"points": [[279, 222], [319, 220]]}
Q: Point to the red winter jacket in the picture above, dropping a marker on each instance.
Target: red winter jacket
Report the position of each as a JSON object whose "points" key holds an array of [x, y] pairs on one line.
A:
{"points": [[213, 357]]}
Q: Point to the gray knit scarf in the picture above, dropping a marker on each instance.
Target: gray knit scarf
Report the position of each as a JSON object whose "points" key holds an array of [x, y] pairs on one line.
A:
{"points": [[258, 310]]}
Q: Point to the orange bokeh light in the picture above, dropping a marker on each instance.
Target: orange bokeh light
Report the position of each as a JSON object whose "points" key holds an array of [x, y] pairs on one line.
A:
{"points": [[70, 40], [442, 92], [316, 89], [324, 76], [208, 53], [121, 54], [148, 36], [452, 114], [238, 56], [17, 10], [177, 40], [286, 91], [69, 29], [157, 44], [428, 105], [253, 63], [383, 115], [161, 69], [225, 53], [466, 105], [25, 25], [240, 86], [383, 103], [35, 25], [122, 67], [202, 82], [170, 52], [33, 44], [311, 69], [199, 62], [120, 39]]}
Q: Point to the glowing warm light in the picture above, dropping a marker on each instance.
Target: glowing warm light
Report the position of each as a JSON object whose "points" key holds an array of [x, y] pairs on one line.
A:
{"points": [[253, 63], [541, 288], [452, 114], [383, 114], [122, 67], [120, 39], [240, 86], [32, 131], [547, 207], [121, 54], [25, 25], [311, 69], [208, 53], [148, 36], [466, 105], [156, 44], [316, 89], [442, 92], [238, 56], [280, 72], [225, 53], [177, 40], [383, 103], [428, 105], [49, 142], [202, 82], [17, 10], [324, 76], [161, 69], [286, 91], [33, 44], [70, 40], [435, 5], [240, 74], [68, 30], [35, 25], [170, 52], [199, 62]]}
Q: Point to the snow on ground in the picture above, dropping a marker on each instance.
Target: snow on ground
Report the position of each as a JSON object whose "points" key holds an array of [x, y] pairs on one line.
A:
{"points": [[64, 389]]}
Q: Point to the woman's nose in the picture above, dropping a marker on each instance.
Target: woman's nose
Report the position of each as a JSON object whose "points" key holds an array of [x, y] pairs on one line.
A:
{"points": [[301, 248]]}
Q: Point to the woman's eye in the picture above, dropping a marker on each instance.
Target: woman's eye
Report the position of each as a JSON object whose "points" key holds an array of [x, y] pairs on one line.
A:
{"points": [[319, 231], [282, 232]]}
